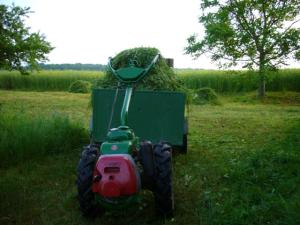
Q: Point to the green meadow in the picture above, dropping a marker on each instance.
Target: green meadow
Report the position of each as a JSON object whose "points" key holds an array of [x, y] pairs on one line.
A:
{"points": [[242, 165]]}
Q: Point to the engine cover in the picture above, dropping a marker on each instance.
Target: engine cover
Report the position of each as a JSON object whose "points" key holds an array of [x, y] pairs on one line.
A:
{"points": [[116, 176]]}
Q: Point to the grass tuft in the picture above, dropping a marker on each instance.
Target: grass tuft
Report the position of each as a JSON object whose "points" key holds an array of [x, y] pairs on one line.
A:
{"points": [[80, 86], [205, 96]]}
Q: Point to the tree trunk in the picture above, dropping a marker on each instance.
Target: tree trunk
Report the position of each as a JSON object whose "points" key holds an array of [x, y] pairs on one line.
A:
{"points": [[262, 85], [262, 76]]}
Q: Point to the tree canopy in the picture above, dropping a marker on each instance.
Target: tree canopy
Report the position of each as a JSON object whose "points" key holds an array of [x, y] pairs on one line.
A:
{"points": [[260, 34], [19, 48]]}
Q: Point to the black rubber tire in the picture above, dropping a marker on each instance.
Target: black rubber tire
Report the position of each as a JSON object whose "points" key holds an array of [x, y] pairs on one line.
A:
{"points": [[163, 191], [86, 197], [146, 158], [185, 136]]}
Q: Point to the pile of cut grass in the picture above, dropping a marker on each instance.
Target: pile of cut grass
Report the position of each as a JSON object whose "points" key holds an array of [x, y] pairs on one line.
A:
{"points": [[160, 77], [203, 96], [80, 86]]}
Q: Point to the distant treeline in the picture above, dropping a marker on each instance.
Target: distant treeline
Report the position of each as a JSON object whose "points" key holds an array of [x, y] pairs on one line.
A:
{"points": [[76, 66]]}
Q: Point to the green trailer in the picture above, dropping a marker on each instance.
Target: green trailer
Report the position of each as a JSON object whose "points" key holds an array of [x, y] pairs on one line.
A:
{"points": [[153, 115]]}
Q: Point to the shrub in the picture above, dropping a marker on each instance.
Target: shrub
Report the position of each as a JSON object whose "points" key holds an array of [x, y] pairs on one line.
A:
{"points": [[80, 86]]}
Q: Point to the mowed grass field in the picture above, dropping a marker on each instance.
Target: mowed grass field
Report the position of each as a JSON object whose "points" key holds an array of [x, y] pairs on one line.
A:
{"points": [[242, 165]]}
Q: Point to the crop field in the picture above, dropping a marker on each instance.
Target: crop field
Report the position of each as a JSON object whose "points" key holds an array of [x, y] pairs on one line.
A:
{"points": [[220, 81], [240, 81], [47, 80], [242, 165]]}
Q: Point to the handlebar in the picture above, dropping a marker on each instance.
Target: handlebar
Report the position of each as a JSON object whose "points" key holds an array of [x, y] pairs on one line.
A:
{"points": [[131, 74]]}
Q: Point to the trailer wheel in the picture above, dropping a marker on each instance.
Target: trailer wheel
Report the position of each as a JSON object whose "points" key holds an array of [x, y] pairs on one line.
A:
{"points": [[85, 170], [185, 136], [163, 191]]}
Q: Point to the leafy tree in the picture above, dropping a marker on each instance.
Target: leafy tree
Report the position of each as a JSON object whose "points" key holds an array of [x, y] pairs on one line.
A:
{"points": [[20, 49], [260, 34]]}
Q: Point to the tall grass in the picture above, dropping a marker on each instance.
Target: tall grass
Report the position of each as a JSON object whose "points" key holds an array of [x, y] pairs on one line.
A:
{"points": [[24, 137], [240, 81], [45, 80], [219, 80], [284, 80]]}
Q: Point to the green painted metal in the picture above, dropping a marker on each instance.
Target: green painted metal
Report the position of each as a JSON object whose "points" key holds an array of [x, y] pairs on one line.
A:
{"points": [[119, 147], [125, 107], [153, 115], [131, 74], [122, 133], [119, 140]]}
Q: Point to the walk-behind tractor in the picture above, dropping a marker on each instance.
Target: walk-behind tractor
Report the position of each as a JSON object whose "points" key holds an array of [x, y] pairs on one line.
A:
{"points": [[117, 164]]}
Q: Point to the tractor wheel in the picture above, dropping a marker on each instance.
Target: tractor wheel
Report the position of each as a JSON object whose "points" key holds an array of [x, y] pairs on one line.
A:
{"points": [[146, 159], [85, 171], [163, 191]]}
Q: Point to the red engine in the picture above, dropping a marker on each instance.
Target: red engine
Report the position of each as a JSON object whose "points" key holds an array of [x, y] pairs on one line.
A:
{"points": [[116, 176]]}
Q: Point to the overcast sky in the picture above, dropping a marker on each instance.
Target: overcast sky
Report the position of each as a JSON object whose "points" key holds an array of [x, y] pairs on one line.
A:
{"points": [[90, 31]]}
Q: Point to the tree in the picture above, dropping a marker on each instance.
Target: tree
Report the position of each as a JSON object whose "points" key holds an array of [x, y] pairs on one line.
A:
{"points": [[19, 49], [260, 34]]}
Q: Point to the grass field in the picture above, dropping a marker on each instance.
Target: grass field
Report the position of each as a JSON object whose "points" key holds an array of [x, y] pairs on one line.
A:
{"points": [[240, 81], [220, 81], [46, 80], [35, 124], [242, 166]]}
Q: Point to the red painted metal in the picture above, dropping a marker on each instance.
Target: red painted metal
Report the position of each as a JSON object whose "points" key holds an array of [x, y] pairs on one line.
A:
{"points": [[115, 176]]}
